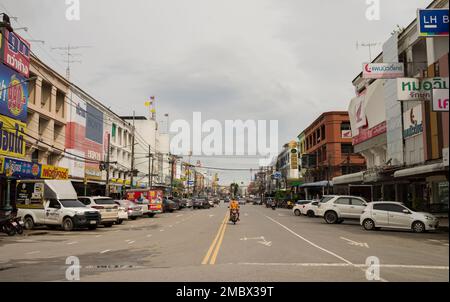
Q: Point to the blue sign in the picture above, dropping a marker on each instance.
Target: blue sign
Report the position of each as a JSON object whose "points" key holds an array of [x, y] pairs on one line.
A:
{"points": [[277, 175], [94, 124], [433, 22], [21, 169], [190, 182], [13, 94]]}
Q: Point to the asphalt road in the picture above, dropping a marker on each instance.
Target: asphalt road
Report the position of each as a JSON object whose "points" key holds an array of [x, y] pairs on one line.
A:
{"points": [[200, 245]]}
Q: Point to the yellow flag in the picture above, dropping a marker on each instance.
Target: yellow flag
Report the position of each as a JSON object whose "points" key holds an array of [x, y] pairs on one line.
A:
{"points": [[147, 103], [153, 111]]}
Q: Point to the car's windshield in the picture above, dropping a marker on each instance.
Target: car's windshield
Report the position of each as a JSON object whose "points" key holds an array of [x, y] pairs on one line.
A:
{"points": [[104, 201], [72, 203], [326, 199]]}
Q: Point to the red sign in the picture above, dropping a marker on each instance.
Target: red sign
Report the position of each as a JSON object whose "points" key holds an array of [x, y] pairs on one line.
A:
{"points": [[365, 134], [16, 52]]}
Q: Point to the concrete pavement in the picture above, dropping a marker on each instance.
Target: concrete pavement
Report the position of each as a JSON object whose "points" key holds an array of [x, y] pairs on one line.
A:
{"points": [[200, 245]]}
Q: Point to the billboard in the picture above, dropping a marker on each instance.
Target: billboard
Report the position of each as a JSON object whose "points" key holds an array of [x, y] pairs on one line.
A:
{"points": [[12, 142], [13, 94], [367, 113], [20, 168], [412, 122], [414, 89], [383, 70], [15, 52], [84, 138], [432, 22], [52, 172]]}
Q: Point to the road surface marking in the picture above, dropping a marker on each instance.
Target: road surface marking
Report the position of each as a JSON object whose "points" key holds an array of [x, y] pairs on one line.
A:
{"points": [[263, 241], [211, 215], [105, 251], [179, 215], [219, 243], [351, 242], [98, 236], [170, 226], [208, 254], [161, 230], [33, 252], [436, 267], [149, 235], [73, 242], [131, 242], [315, 245], [245, 214]]}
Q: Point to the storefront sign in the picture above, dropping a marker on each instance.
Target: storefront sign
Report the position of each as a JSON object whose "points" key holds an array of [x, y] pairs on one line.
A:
{"points": [[52, 172], [440, 100], [13, 94], [413, 89], [15, 52], [366, 134], [383, 70], [20, 169], [93, 173], [12, 141], [432, 22], [412, 122]]}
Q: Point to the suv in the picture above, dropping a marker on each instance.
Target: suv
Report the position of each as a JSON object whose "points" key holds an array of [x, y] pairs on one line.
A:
{"points": [[390, 214], [107, 206], [336, 208]]}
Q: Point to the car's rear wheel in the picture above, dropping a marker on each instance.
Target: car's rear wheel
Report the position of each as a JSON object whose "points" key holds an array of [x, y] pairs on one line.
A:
{"points": [[119, 221], [92, 227], [310, 213], [133, 217], [331, 217], [28, 223], [151, 215], [297, 212], [368, 224], [418, 227]]}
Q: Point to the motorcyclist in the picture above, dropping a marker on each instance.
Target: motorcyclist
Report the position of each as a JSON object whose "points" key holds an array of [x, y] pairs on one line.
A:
{"points": [[234, 205]]}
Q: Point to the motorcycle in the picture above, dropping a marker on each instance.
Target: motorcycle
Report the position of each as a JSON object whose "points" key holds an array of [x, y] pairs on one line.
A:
{"points": [[274, 206], [234, 216], [7, 226], [17, 224]]}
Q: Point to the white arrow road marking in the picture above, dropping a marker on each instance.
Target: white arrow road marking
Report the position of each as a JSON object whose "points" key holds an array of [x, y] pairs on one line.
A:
{"points": [[351, 242], [33, 252], [261, 238]]}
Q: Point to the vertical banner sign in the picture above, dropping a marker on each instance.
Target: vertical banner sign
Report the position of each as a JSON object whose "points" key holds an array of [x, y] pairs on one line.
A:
{"points": [[433, 22], [13, 94], [412, 122], [15, 52], [12, 142], [440, 100]]}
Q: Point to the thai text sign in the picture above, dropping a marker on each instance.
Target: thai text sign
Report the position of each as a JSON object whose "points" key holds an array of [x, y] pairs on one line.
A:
{"points": [[12, 141], [52, 172], [412, 122], [383, 70], [13, 94], [440, 100], [413, 89]]}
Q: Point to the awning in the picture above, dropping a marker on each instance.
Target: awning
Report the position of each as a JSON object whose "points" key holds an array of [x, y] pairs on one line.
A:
{"points": [[438, 167], [348, 178], [322, 183]]}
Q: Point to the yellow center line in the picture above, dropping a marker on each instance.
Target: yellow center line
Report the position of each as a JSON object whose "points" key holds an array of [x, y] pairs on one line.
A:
{"points": [[219, 243], [208, 254]]}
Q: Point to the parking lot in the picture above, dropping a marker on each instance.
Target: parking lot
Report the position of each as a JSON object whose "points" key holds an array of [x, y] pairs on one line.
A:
{"points": [[199, 245]]}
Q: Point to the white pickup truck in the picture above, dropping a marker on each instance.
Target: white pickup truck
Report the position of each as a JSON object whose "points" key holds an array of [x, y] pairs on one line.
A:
{"points": [[53, 203]]}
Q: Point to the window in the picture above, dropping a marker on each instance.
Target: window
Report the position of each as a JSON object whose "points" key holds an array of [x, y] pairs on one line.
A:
{"points": [[84, 201], [322, 132], [381, 206], [395, 208], [347, 149], [357, 202], [343, 200], [54, 204], [345, 126]]}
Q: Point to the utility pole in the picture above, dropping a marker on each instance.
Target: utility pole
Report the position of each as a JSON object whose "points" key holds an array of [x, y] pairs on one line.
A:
{"points": [[107, 163], [132, 155], [171, 161], [151, 170]]}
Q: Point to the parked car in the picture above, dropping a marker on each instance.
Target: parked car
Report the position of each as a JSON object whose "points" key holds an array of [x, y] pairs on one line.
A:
{"points": [[53, 203], [187, 202], [149, 200], [257, 201], [133, 210], [123, 214], [201, 203], [109, 211], [310, 209], [169, 205], [336, 208], [242, 201], [390, 214], [299, 205]]}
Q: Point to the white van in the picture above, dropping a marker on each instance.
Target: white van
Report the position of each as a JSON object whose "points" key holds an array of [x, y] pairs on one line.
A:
{"points": [[53, 203]]}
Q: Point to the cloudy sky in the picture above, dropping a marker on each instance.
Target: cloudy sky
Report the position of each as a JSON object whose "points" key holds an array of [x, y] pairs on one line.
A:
{"points": [[286, 60]]}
